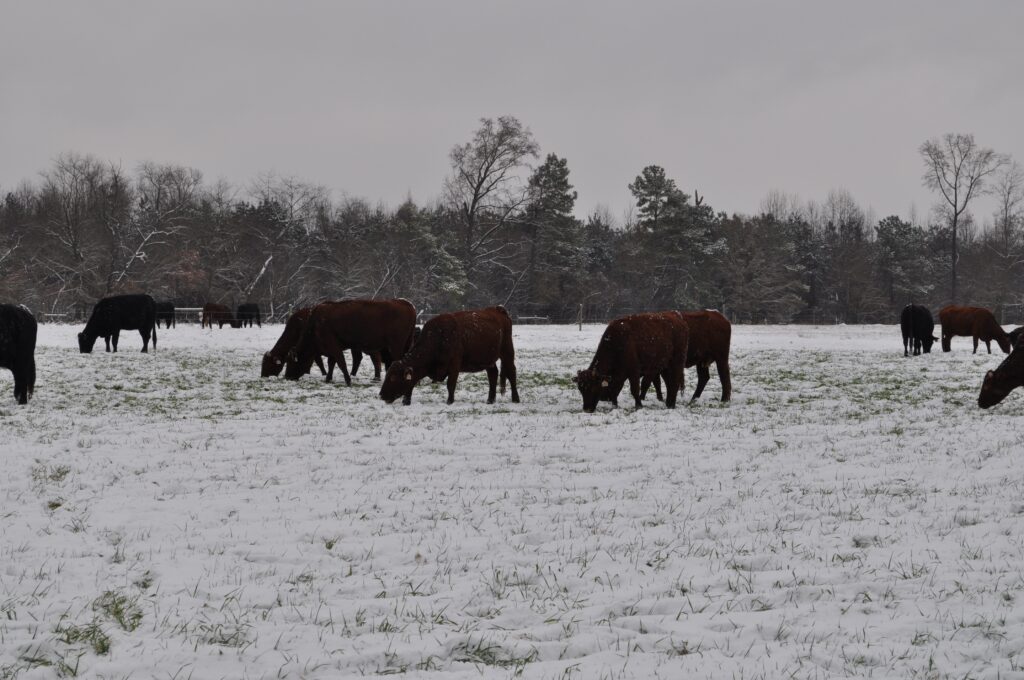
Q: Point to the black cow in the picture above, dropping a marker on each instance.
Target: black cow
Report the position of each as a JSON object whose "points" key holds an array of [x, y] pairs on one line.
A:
{"points": [[111, 315], [18, 348], [165, 313], [917, 325], [247, 313]]}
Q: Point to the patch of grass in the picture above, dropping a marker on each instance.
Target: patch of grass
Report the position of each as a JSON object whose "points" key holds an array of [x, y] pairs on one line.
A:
{"points": [[120, 608], [89, 634]]}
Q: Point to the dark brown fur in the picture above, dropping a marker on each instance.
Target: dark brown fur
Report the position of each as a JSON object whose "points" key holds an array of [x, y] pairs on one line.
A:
{"points": [[375, 327], [641, 346], [214, 313], [710, 337], [459, 342], [274, 360], [1000, 382], [973, 322]]}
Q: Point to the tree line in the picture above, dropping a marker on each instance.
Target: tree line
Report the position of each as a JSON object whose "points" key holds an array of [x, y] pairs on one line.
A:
{"points": [[504, 231]]}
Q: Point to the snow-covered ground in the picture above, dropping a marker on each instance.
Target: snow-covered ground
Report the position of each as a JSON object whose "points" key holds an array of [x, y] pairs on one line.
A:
{"points": [[172, 515]]}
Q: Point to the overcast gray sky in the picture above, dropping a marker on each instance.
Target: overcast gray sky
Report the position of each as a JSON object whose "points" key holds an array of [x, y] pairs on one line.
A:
{"points": [[733, 98]]}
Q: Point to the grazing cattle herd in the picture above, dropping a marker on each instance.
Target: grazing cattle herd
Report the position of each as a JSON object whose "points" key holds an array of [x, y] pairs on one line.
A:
{"points": [[641, 349]]}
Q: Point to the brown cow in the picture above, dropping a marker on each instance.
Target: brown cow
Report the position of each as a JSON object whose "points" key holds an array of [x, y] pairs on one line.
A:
{"points": [[364, 326], [973, 322], [635, 347], [454, 343], [710, 336], [1003, 380], [219, 314], [274, 360]]}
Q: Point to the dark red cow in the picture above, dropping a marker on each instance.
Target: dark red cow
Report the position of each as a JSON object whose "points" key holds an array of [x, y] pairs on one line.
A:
{"points": [[375, 327], [458, 342], [973, 322], [1006, 378], [635, 347], [710, 337], [274, 360]]}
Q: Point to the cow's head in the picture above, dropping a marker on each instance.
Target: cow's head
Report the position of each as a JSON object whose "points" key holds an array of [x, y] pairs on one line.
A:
{"points": [[926, 344], [85, 343], [1000, 382], [591, 386], [272, 366], [398, 382]]}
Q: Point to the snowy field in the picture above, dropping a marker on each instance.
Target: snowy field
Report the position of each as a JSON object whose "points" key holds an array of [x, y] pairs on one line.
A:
{"points": [[172, 515]]}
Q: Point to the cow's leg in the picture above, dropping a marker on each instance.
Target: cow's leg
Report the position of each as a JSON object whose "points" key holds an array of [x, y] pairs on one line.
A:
{"points": [[106, 341], [975, 344], [988, 344], [645, 384], [20, 385], [344, 371], [671, 387], [703, 375], [492, 383], [375, 359], [329, 374], [114, 338], [320, 364], [357, 358], [945, 341], [905, 343], [634, 388], [657, 388], [145, 341], [509, 369], [723, 377], [453, 379]]}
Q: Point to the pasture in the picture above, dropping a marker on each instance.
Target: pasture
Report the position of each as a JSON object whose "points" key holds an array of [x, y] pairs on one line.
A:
{"points": [[850, 513]]}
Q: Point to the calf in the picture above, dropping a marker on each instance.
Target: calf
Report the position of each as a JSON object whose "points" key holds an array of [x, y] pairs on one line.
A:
{"points": [[165, 313], [458, 342], [17, 349], [111, 315], [248, 312], [917, 325], [219, 314], [376, 327], [635, 347], [974, 322]]}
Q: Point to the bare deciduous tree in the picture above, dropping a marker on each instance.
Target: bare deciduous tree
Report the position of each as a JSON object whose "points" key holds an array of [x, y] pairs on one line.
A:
{"points": [[486, 188], [958, 169]]}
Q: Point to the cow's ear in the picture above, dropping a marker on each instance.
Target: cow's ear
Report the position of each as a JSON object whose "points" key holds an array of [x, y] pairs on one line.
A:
{"points": [[408, 374], [576, 379], [604, 383], [988, 375]]}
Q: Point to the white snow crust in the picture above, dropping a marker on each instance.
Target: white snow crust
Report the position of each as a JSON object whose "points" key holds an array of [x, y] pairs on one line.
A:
{"points": [[851, 513]]}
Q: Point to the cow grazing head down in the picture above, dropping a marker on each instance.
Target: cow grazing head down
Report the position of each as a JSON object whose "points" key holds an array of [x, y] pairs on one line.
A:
{"points": [[993, 390], [272, 366], [926, 344], [86, 343], [591, 386], [398, 382]]}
